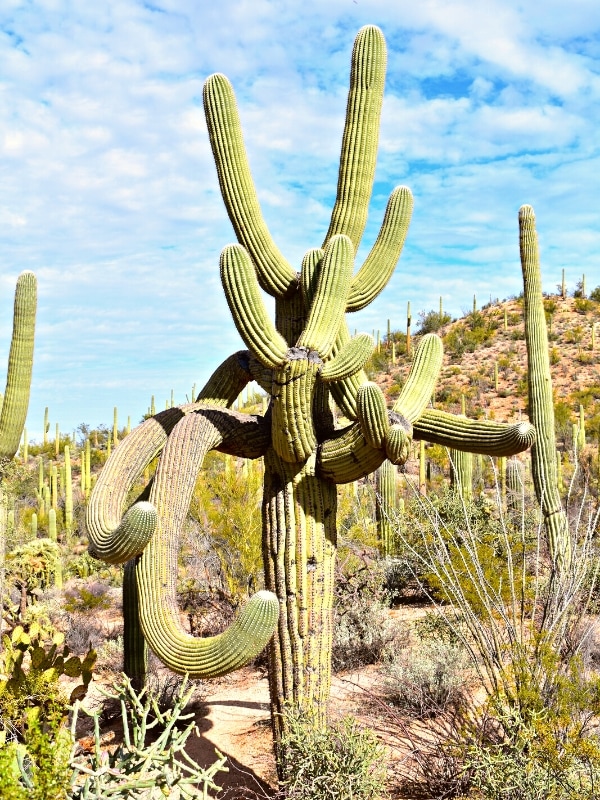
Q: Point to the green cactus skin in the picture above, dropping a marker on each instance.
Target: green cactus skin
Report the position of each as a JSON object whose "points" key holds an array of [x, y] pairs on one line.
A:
{"points": [[20, 364], [135, 650], [302, 359], [15, 400], [461, 473], [68, 490], [515, 482], [385, 505], [541, 401]]}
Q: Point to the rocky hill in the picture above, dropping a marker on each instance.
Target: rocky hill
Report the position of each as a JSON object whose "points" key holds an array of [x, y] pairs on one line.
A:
{"points": [[486, 361]]}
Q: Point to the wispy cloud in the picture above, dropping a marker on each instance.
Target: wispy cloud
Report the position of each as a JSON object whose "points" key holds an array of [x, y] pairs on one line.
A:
{"points": [[111, 196]]}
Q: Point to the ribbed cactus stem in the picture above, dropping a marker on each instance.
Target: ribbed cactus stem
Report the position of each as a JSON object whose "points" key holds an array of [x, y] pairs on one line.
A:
{"points": [[461, 474], [46, 426], [581, 430], [54, 486], [541, 401], [68, 491], [34, 525], [515, 488], [422, 469], [385, 506], [135, 650], [408, 324]]}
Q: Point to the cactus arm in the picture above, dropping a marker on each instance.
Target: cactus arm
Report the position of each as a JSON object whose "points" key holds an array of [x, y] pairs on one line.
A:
{"points": [[309, 274], [379, 265], [275, 275], [477, 436], [248, 309], [372, 414], [328, 303], [347, 456], [293, 431], [227, 381], [350, 360], [345, 391], [113, 539], [424, 370], [156, 570], [20, 364], [361, 136], [541, 401]]}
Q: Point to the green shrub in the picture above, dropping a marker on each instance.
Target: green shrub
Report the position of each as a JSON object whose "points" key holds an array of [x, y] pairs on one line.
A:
{"points": [[339, 762], [428, 679], [85, 599]]}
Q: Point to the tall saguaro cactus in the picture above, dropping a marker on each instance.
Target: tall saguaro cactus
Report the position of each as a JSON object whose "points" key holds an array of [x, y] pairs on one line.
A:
{"points": [[302, 359], [541, 400], [16, 394]]}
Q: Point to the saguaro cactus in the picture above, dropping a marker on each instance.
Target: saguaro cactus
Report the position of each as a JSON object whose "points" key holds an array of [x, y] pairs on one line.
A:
{"points": [[16, 394], [541, 401], [302, 359]]}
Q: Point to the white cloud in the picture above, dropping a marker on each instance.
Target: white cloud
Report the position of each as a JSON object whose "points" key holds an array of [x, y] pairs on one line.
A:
{"points": [[110, 193]]}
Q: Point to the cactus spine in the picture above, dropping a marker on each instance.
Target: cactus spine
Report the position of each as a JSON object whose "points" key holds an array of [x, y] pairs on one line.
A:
{"points": [[302, 359], [541, 402]]}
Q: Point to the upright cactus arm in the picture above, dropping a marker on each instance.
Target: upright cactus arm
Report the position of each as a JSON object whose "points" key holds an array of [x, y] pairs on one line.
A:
{"points": [[20, 364], [420, 383], [247, 308], [156, 569], [379, 265], [541, 401], [328, 304], [476, 436], [361, 136], [275, 275]]}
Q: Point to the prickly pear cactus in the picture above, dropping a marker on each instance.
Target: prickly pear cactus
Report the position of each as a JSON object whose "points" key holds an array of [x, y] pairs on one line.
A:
{"points": [[303, 359]]}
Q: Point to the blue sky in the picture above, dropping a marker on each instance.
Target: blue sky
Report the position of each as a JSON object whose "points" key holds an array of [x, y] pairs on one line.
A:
{"points": [[109, 192]]}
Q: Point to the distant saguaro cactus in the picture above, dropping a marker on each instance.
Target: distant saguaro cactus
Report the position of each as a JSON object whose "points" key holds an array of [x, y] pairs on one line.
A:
{"points": [[16, 394], [302, 360]]}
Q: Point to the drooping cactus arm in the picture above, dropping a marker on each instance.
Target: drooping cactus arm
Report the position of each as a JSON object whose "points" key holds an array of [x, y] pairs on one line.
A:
{"points": [[361, 136], [275, 275], [111, 538], [345, 391], [156, 570], [116, 538], [379, 265], [476, 436], [248, 309], [227, 381], [20, 364], [541, 400]]}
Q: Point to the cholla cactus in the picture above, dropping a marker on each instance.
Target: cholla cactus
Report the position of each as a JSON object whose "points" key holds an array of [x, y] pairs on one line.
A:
{"points": [[302, 359]]}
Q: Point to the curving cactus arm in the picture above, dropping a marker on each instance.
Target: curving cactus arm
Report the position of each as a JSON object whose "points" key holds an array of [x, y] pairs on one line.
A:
{"points": [[156, 569]]}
